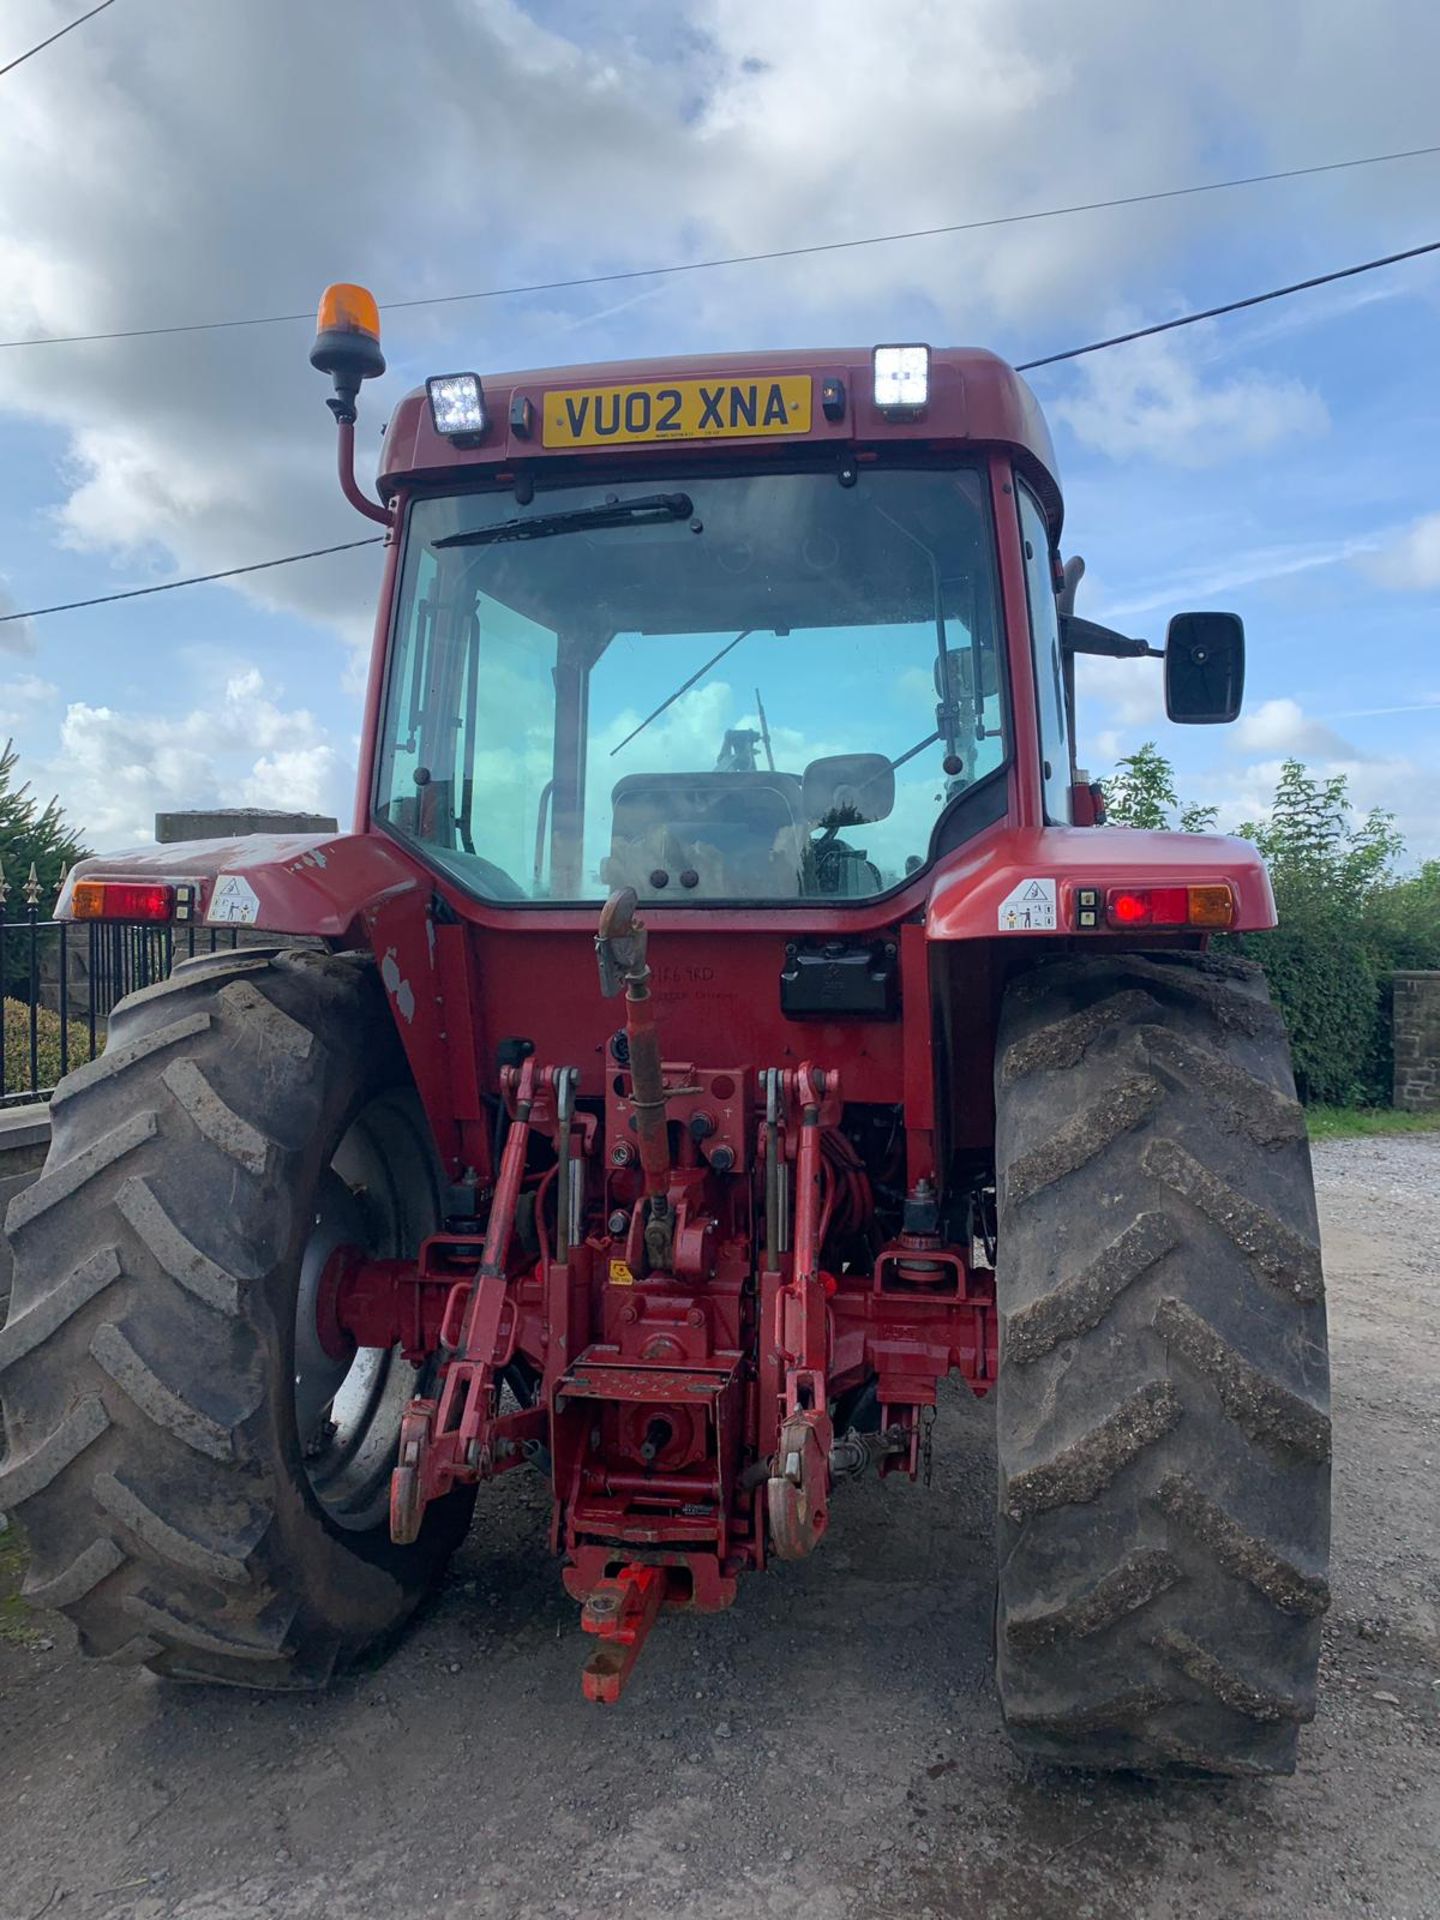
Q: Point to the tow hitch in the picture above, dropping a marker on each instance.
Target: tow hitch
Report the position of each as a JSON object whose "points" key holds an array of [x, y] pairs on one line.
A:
{"points": [[620, 1613]]}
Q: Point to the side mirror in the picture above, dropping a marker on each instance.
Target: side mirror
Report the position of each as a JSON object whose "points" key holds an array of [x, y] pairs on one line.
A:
{"points": [[862, 784], [1204, 668]]}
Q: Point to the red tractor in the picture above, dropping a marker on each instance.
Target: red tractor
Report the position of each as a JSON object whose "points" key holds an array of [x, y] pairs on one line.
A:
{"points": [[729, 1017]]}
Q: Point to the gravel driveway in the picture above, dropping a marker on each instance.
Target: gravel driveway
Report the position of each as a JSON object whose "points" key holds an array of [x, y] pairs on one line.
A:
{"points": [[830, 1748]]}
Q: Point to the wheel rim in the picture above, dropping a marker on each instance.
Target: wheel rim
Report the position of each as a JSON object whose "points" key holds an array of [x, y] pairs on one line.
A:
{"points": [[379, 1194]]}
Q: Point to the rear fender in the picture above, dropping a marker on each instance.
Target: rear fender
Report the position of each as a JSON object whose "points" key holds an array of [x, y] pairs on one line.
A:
{"points": [[354, 891], [1019, 881], [315, 884]]}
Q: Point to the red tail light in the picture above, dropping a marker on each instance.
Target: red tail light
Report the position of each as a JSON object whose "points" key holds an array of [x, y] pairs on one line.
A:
{"points": [[1212, 906], [1148, 907], [148, 900]]}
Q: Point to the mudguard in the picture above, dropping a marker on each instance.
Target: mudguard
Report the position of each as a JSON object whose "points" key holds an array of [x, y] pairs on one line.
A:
{"points": [[351, 890], [318, 884], [1020, 880]]}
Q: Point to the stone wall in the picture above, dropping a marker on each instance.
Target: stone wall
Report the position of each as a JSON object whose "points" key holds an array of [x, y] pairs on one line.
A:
{"points": [[1417, 1042], [229, 823]]}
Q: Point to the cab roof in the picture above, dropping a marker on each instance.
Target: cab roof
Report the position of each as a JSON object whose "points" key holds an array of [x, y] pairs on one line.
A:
{"points": [[975, 399]]}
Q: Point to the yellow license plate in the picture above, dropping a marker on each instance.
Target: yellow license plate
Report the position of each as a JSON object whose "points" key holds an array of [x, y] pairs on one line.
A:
{"points": [[679, 410]]}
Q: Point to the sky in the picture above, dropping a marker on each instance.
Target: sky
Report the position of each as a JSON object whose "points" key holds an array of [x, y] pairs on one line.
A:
{"points": [[169, 163]]}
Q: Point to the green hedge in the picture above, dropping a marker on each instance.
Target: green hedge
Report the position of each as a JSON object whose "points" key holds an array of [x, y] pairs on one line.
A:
{"points": [[47, 1035], [1330, 964], [1347, 924]]}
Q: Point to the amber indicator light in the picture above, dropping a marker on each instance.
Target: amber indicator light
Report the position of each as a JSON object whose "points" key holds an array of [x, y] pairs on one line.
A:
{"points": [[1211, 906]]}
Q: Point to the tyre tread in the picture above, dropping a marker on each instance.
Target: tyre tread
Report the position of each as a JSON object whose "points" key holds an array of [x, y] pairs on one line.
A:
{"points": [[159, 1403], [67, 1177], [30, 1329], [173, 1253], [1076, 1474], [1163, 1414], [220, 1124], [190, 1540], [1082, 1301], [1252, 1398], [1277, 1254], [173, 1545], [24, 1475], [83, 1574]]}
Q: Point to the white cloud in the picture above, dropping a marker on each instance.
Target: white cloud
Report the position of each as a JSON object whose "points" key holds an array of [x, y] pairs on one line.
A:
{"points": [[1108, 747], [1426, 703], [1410, 563], [16, 636], [301, 778], [1402, 786], [1131, 693], [116, 770], [1407, 788], [1198, 586], [153, 177], [1150, 401], [1241, 780], [1283, 726], [22, 699]]}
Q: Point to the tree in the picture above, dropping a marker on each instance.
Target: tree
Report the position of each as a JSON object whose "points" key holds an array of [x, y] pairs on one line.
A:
{"points": [[1405, 919], [1325, 964], [1346, 923], [1141, 793], [1310, 836], [32, 836]]}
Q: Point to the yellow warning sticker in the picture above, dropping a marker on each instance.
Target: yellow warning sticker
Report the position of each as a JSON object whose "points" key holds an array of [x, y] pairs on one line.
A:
{"points": [[620, 1274]]}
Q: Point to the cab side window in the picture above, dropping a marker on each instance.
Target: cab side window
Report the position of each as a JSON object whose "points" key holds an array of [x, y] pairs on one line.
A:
{"points": [[1045, 649]]}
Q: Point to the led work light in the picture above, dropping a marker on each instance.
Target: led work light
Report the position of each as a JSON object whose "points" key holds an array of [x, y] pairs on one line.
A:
{"points": [[457, 404], [902, 379]]}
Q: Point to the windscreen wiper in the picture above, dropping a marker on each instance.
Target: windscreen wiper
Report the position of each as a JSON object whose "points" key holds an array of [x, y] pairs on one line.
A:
{"points": [[647, 509]]}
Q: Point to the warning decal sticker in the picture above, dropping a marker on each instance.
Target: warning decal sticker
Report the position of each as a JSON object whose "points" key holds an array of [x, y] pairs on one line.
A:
{"points": [[234, 903], [1029, 908]]}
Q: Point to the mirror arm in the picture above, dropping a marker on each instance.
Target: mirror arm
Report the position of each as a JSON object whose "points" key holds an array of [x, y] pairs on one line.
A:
{"points": [[1086, 636]]}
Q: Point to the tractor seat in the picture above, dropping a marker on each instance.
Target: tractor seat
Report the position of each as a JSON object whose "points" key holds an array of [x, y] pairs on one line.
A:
{"points": [[743, 834]]}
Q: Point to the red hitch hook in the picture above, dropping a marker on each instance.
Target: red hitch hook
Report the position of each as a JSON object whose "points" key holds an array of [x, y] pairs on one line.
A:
{"points": [[620, 1613]]}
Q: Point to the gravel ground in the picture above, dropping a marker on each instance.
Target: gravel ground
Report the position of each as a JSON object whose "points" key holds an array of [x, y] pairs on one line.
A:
{"points": [[830, 1748]]}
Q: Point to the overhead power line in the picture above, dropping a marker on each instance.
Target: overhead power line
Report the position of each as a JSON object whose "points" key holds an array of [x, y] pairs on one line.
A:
{"points": [[40, 47], [1230, 306], [195, 580], [738, 259], [1071, 353]]}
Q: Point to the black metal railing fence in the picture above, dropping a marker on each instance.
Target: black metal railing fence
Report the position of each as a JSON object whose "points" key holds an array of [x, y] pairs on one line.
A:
{"points": [[60, 980]]}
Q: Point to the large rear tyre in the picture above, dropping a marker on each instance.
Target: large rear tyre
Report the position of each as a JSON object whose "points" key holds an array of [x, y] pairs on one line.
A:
{"points": [[203, 1487], [1163, 1404]]}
